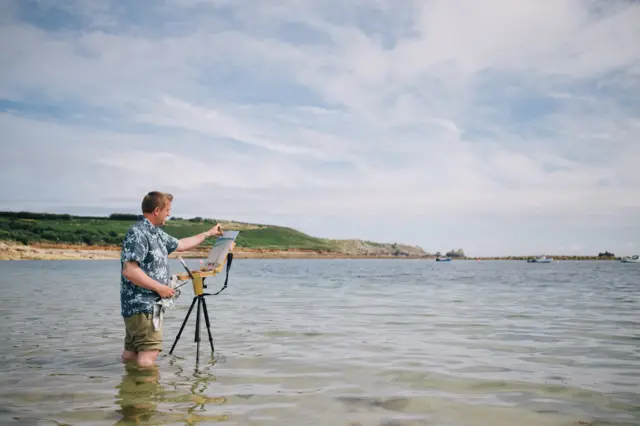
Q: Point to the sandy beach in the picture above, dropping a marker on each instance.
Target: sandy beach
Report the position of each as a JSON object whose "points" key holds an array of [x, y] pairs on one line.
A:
{"points": [[16, 251], [12, 251]]}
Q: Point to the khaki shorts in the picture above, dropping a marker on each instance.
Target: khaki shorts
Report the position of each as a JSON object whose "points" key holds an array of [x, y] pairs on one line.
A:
{"points": [[140, 335]]}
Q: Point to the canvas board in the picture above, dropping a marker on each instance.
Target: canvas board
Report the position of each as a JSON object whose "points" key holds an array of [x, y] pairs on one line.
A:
{"points": [[218, 253]]}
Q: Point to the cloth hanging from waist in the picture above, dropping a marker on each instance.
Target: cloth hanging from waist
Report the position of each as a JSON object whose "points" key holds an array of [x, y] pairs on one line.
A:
{"points": [[161, 305]]}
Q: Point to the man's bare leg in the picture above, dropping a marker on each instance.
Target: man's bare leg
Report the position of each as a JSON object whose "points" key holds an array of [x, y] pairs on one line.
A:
{"points": [[128, 356], [147, 358]]}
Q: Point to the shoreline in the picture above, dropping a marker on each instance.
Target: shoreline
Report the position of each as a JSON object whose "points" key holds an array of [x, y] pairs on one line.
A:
{"points": [[16, 251]]}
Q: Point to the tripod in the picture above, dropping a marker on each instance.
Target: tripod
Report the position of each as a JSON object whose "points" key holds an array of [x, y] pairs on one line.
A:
{"points": [[198, 278], [201, 302]]}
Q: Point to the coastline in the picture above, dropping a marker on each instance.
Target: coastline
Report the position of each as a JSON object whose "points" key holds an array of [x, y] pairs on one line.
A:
{"points": [[16, 251]]}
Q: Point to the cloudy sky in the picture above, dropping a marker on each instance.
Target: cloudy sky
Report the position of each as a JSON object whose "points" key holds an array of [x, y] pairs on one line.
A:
{"points": [[500, 127]]}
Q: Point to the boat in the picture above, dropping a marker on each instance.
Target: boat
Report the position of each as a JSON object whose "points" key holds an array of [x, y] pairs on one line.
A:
{"points": [[540, 259], [443, 259], [630, 259]]}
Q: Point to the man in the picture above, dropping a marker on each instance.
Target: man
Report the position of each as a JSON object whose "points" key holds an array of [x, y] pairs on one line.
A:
{"points": [[145, 275]]}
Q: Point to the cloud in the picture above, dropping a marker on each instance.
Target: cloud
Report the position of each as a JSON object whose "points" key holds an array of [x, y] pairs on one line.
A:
{"points": [[430, 111], [218, 124]]}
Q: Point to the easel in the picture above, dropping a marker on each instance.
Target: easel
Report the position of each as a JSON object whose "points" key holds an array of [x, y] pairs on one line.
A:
{"points": [[197, 277]]}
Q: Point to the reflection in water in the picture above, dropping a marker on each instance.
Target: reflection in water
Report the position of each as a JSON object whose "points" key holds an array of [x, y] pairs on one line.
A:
{"points": [[138, 394], [197, 383], [141, 391]]}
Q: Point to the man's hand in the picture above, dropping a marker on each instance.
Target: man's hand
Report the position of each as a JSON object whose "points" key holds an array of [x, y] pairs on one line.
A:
{"points": [[165, 291], [188, 243], [216, 230], [137, 276]]}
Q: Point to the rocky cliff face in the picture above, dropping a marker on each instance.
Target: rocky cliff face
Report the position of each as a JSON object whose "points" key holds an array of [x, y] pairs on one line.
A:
{"points": [[366, 248]]}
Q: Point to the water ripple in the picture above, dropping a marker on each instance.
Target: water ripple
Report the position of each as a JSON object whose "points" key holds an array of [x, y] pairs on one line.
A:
{"points": [[333, 343]]}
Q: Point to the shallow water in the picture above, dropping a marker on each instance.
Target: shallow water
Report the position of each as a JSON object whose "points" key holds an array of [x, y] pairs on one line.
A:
{"points": [[332, 342]]}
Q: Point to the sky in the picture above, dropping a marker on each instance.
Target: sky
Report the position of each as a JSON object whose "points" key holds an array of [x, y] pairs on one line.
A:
{"points": [[501, 127]]}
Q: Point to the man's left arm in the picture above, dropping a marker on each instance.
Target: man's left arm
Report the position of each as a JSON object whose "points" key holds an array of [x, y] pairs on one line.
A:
{"points": [[188, 243]]}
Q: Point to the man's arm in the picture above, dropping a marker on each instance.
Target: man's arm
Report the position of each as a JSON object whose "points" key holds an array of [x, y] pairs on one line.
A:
{"points": [[194, 241], [132, 271]]}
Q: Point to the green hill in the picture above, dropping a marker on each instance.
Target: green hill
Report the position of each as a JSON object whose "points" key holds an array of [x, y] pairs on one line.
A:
{"points": [[27, 228], [30, 228]]}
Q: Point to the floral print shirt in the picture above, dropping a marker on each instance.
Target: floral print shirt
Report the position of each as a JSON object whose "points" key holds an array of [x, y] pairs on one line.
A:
{"points": [[150, 246]]}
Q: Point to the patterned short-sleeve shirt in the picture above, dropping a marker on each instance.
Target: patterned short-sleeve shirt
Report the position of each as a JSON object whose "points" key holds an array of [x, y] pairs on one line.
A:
{"points": [[150, 246]]}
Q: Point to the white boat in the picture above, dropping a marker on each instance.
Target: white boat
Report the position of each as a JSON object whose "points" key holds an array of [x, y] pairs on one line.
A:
{"points": [[541, 259], [630, 259]]}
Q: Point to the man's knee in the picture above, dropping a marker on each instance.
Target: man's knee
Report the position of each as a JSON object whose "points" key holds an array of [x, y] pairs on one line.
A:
{"points": [[129, 356], [147, 358]]}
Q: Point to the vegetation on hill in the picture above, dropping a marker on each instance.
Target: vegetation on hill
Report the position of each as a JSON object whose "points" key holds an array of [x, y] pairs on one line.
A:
{"points": [[459, 254], [606, 255], [30, 228]]}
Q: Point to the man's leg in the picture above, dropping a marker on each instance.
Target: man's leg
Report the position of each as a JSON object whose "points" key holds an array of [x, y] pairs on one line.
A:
{"points": [[148, 341], [128, 356], [142, 343], [129, 353], [147, 358]]}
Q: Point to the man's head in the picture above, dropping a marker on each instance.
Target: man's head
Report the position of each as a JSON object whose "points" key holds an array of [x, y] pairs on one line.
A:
{"points": [[156, 206]]}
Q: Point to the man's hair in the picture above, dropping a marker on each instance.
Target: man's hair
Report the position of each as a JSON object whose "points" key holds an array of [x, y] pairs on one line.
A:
{"points": [[155, 199]]}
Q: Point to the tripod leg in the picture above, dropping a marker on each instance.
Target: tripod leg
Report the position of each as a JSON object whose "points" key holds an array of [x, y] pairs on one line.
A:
{"points": [[183, 324], [200, 299], [206, 320]]}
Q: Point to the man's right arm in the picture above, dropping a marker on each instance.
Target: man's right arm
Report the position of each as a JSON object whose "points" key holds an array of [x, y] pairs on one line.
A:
{"points": [[132, 271]]}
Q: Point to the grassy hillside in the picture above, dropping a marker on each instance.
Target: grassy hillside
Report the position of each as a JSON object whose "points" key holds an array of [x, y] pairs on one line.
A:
{"points": [[28, 228]]}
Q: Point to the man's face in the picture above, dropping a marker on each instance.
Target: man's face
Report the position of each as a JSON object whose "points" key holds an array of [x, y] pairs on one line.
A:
{"points": [[163, 214]]}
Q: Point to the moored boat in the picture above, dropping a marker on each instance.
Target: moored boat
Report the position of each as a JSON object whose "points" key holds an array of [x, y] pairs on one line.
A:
{"points": [[540, 259], [630, 259]]}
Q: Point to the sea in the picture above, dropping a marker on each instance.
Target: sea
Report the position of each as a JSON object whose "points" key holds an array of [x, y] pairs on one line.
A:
{"points": [[330, 342]]}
